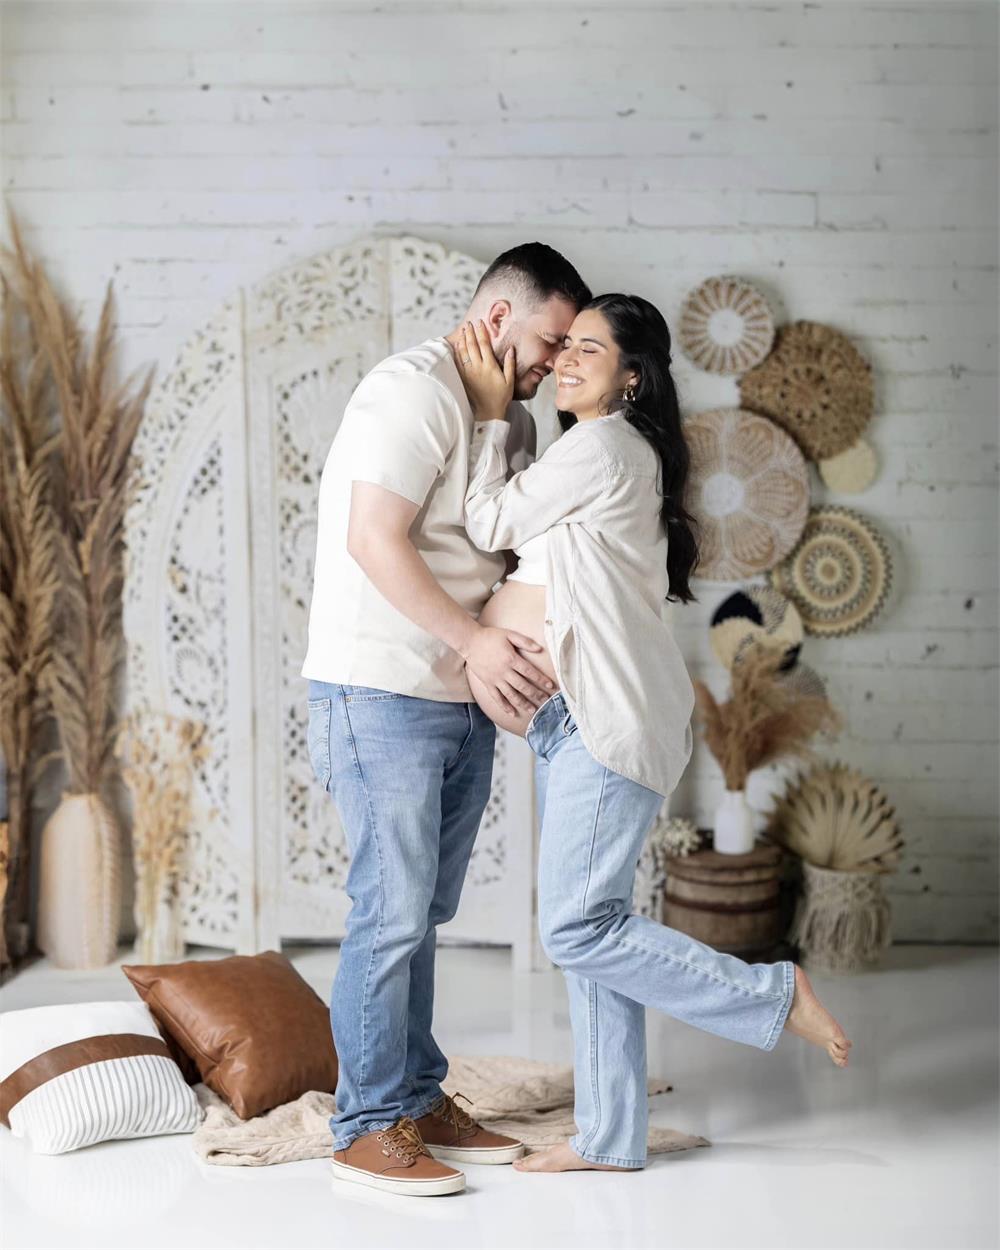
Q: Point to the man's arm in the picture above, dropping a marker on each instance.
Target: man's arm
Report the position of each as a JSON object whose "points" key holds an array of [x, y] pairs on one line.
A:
{"points": [[378, 539]]}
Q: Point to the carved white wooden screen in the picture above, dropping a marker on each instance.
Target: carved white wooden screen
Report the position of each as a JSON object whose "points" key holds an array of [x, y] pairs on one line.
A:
{"points": [[221, 541]]}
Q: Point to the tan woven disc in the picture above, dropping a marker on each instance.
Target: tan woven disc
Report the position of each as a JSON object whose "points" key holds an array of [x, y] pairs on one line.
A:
{"points": [[839, 574], [816, 385], [748, 488], [726, 326], [754, 614], [851, 471]]}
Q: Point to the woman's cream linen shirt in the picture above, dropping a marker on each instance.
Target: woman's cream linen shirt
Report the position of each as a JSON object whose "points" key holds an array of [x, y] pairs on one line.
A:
{"points": [[596, 492]]}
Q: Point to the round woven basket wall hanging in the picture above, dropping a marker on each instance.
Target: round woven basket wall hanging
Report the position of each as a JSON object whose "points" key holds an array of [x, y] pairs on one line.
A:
{"points": [[748, 488], [850, 471], [726, 326], [755, 614], [804, 681], [816, 385], [839, 574]]}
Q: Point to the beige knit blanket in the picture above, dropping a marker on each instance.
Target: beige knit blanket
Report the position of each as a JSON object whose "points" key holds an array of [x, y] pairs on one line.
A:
{"points": [[524, 1098]]}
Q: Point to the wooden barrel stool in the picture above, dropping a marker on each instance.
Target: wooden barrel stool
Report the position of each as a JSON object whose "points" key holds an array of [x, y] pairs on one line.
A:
{"points": [[732, 903]]}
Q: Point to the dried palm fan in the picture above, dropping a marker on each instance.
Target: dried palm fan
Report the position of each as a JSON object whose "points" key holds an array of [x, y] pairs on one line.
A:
{"points": [[29, 584], [159, 754], [765, 718], [99, 423], [833, 817]]}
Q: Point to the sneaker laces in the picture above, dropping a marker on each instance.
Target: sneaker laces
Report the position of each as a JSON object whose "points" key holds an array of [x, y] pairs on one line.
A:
{"points": [[447, 1109], [404, 1138]]}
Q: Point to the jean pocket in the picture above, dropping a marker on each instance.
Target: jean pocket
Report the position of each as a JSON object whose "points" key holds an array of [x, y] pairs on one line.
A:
{"points": [[318, 739], [368, 694]]}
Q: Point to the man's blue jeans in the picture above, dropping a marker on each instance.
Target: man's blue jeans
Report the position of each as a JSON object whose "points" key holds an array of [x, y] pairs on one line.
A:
{"points": [[594, 823], [411, 779]]}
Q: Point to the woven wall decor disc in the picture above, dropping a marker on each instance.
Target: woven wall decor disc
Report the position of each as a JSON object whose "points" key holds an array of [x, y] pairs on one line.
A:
{"points": [[726, 326], [851, 471], [749, 490], [804, 680], [839, 574], [816, 385], [754, 614]]}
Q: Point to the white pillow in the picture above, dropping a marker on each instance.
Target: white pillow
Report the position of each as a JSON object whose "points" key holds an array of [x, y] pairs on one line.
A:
{"points": [[79, 1073]]}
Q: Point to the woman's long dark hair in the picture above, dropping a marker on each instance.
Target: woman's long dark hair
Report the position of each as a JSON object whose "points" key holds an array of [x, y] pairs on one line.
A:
{"points": [[643, 339]]}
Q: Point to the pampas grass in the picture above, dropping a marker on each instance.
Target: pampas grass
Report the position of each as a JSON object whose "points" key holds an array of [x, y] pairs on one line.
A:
{"points": [[763, 720], [98, 424], [29, 585], [159, 755]]}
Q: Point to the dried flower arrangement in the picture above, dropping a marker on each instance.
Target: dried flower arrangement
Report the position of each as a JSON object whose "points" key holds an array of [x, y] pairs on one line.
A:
{"points": [[159, 754], [84, 490], [99, 423], [670, 837], [29, 585], [765, 718]]}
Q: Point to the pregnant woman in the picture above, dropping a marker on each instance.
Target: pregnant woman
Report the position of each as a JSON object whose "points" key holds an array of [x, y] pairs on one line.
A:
{"points": [[603, 539]]}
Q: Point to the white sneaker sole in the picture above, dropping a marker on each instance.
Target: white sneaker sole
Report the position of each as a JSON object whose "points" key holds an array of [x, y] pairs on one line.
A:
{"points": [[484, 1154], [421, 1189]]}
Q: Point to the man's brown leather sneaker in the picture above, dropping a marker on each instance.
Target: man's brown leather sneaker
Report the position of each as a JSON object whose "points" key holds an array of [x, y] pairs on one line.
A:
{"points": [[395, 1159], [451, 1133]]}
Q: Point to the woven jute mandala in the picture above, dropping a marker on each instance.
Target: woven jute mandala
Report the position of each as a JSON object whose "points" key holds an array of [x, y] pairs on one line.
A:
{"points": [[748, 488], [816, 385], [839, 574], [726, 326]]}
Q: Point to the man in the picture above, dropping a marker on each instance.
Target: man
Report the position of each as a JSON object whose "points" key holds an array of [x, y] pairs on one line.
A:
{"points": [[395, 736]]}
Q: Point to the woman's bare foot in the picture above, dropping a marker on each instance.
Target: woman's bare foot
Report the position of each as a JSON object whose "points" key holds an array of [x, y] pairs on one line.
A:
{"points": [[808, 1018], [563, 1158]]}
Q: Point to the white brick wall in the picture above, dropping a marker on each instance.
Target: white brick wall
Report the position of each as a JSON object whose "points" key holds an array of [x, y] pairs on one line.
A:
{"points": [[843, 156]]}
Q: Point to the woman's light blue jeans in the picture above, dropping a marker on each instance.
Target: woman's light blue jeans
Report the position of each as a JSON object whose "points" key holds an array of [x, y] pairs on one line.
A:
{"points": [[594, 824], [411, 780]]}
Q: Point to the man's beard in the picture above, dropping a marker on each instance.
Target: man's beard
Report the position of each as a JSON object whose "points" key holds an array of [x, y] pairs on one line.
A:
{"points": [[526, 383]]}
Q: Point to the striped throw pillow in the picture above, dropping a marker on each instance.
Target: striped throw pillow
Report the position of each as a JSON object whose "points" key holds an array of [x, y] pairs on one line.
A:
{"points": [[79, 1073]]}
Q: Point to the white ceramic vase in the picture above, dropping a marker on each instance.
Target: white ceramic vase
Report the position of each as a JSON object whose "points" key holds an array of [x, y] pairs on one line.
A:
{"points": [[80, 884], [733, 833]]}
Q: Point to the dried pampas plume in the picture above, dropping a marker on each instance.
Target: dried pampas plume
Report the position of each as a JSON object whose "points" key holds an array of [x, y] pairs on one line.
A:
{"points": [[29, 585], [99, 423], [763, 720], [834, 817], [159, 756]]}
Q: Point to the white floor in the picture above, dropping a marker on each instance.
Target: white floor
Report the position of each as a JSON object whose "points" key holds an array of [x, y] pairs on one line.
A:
{"points": [[899, 1149]]}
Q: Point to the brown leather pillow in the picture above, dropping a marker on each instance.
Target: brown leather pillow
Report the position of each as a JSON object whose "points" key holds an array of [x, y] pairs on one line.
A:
{"points": [[257, 1033]]}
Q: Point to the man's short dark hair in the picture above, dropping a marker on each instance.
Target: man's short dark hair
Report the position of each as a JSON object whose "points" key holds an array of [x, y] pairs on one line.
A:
{"points": [[540, 272]]}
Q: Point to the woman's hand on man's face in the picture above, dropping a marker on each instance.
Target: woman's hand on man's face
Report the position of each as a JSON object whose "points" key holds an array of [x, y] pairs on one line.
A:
{"points": [[489, 387]]}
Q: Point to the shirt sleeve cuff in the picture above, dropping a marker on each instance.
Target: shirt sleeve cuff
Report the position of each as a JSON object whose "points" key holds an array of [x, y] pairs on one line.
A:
{"points": [[487, 434]]}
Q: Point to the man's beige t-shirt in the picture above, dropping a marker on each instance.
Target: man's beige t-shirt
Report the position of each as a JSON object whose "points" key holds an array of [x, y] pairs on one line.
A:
{"points": [[407, 427]]}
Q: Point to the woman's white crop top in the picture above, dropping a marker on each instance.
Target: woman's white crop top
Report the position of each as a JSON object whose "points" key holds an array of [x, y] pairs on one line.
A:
{"points": [[531, 561]]}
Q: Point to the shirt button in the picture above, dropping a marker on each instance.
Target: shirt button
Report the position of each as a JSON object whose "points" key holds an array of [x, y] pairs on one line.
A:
{"points": [[548, 621]]}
